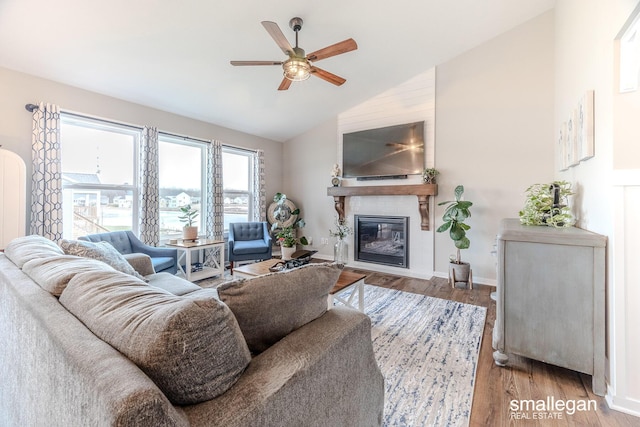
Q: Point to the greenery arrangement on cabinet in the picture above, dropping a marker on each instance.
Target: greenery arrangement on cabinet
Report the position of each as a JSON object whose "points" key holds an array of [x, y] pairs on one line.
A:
{"points": [[548, 204], [454, 218], [287, 236]]}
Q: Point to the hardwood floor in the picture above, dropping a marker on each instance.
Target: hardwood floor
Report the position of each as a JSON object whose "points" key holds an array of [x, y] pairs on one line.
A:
{"points": [[522, 379]]}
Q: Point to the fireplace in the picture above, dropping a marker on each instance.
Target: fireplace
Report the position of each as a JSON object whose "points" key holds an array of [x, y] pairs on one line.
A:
{"points": [[382, 240]]}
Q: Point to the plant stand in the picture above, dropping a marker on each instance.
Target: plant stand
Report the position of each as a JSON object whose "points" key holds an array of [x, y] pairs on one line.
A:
{"points": [[468, 280]]}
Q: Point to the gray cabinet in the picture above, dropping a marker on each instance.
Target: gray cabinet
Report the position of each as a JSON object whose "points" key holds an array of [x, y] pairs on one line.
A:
{"points": [[551, 297]]}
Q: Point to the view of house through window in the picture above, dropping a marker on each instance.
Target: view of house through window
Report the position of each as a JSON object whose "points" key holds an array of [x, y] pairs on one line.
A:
{"points": [[181, 174], [98, 176], [237, 181]]}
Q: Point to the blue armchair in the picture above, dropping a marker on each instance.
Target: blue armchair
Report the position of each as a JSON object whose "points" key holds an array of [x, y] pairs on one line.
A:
{"points": [[249, 241], [125, 242]]}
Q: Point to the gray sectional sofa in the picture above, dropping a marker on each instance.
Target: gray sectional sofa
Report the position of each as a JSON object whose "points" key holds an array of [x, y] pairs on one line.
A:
{"points": [[84, 344]]}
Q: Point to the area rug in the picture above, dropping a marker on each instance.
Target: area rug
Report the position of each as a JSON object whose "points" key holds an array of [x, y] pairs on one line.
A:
{"points": [[427, 349]]}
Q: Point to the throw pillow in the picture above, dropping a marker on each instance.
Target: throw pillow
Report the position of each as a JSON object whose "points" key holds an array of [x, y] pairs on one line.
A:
{"points": [[23, 249], [102, 251], [269, 307], [190, 346], [53, 273]]}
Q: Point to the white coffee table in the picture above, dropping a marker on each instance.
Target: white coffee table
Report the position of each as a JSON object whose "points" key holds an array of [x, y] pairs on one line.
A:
{"points": [[185, 251]]}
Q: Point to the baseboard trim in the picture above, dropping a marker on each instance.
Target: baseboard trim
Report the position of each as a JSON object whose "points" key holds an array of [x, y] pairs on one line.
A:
{"points": [[628, 406]]}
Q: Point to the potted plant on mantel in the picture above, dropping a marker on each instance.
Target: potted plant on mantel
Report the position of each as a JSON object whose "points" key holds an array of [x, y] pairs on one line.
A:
{"points": [[190, 231], [287, 236], [454, 216], [429, 175]]}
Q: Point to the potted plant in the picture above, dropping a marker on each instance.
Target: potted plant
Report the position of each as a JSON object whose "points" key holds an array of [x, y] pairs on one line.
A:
{"points": [[454, 216], [287, 236], [429, 175], [190, 231], [548, 204]]}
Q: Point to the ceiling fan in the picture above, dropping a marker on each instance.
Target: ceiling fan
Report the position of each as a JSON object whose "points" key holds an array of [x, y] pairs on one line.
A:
{"points": [[299, 66]]}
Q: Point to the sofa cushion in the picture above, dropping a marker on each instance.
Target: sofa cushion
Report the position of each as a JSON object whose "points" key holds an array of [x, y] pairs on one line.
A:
{"points": [[241, 247], [102, 251], [190, 346], [269, 307], [53, 273], [172, 283], [23, 249]]}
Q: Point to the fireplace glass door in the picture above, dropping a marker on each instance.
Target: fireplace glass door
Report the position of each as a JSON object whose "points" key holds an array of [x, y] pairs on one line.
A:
{"points": [[382, 240]]}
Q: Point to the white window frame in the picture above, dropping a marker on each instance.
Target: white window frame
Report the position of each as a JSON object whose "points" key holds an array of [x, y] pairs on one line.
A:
{"points": [[191, 142], [104, 125], [250, 154]]}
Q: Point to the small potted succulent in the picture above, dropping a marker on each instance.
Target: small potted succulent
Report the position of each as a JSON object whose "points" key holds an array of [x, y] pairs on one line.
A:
{"points": [[454, 216], [190, 231]]}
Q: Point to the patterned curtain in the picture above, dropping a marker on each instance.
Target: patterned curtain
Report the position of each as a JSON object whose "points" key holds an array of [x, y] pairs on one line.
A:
{"points": [[259, 195], [46, 178], [149, 192], [214, 212], [215, 204]]}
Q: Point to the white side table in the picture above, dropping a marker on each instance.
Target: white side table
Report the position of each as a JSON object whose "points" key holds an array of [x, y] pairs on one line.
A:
{"points": [[348, 280], [185, 251]]}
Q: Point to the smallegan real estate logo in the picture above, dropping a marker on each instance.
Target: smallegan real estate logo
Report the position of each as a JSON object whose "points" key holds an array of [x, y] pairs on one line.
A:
{"points": [[549, 408]]}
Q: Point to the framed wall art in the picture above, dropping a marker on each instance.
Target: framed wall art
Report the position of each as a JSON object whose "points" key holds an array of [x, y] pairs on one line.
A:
{"points": [[585, 126]]}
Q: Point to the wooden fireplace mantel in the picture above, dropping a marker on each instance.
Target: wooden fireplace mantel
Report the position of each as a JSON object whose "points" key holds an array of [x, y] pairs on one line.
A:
{"points": [[423, 191]]}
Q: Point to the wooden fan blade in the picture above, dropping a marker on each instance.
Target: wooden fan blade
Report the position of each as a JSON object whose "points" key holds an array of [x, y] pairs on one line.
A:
{"points": [[284, 85], [275, 33], [327, 76], [256, 63], [333, 50]]}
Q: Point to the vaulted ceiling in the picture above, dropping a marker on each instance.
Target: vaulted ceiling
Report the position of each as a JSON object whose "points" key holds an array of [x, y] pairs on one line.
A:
{"points": [[174, 55]]}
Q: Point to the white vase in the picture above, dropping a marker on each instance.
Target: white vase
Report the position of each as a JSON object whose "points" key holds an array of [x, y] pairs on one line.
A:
{"points": [[287, 252]]}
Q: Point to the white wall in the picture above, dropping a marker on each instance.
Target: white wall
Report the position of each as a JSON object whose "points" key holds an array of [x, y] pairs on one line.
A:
{"points": [[307, 163], [18, 89], [493, 133], [607, 202]]}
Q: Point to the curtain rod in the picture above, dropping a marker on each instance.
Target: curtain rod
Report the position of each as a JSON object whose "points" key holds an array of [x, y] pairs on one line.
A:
{"points": [[32, 107]]}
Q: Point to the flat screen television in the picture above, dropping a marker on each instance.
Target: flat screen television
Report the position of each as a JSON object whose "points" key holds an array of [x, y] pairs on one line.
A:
{"points": [[388, 152]]}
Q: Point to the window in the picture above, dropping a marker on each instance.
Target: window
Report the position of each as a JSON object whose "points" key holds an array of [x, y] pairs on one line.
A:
{"points": [[238, 185], [99, 179], [182, 182], [98, 176]]}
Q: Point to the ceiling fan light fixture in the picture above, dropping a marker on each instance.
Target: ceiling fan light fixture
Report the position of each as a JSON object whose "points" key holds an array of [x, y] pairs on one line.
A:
{"points": [[296, 69]]}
